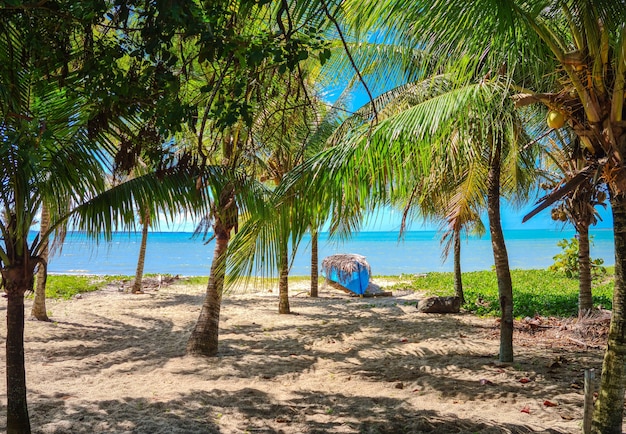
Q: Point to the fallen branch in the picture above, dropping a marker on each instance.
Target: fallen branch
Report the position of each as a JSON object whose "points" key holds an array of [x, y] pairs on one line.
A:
{"points": [[584, 344]]}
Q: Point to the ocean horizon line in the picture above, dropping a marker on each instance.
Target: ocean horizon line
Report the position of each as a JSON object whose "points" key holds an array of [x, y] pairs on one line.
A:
{"points": [[180, 253]]}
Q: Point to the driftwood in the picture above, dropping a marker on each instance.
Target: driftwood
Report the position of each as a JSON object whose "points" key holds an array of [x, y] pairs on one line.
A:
{"points": [[584, 344], [338, 286], [372, 290]]}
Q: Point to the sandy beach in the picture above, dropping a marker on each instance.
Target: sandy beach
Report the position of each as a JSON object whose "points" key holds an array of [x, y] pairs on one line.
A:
{"points": [[112, 362]]}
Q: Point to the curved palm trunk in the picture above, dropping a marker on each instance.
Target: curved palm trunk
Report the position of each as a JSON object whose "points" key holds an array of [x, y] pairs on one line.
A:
{"points": [[38, 310], [608, 414], [458, 276], [314, 264], [585, 302], [500, 257], [283, 282], [205, 335], [18, 279], [141, 261]]}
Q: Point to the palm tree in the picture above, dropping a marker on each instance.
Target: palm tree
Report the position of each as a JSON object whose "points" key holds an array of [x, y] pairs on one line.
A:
{"points": [[303, 130], [460, 191], [27, 166], [78, 174], [224, 219], [32, 150], [569, 57], [578, 207], [38, 310], [453, 200], [292, 131], [53, 151], [290, 151], [377, 160], [134, 169], [463, 135], [314, 263], [274, 38], [228, 199], [238, 194], [144, 221], [461, 218]]}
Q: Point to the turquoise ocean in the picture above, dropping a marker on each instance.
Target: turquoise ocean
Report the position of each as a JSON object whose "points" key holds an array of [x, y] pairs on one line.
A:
{"points": [[178, 253]]}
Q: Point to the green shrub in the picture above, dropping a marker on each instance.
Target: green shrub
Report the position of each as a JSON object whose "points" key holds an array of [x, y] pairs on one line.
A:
{"points": [[567, 261]]}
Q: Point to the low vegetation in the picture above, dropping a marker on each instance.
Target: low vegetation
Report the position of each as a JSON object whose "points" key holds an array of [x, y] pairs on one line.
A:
{"points": [[67, 286], [535, 292]]}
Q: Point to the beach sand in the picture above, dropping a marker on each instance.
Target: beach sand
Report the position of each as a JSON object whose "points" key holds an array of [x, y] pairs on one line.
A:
{"points": [[112, 362]]}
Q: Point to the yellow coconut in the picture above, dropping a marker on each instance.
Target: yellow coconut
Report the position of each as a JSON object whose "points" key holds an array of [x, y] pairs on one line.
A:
{"points": [[555, 119]]}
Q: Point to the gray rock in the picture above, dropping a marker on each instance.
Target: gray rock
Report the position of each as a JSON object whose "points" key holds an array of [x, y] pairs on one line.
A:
{"points": [[439, 305]]}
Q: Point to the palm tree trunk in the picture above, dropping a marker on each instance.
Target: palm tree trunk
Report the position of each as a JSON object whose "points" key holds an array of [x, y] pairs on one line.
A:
{"points": [[314, 264], [38, 310], [585, 302], [18, 279], [458, 276], [141, 261], [283, 281], [501, 258], [205, 335], [608, 414]]}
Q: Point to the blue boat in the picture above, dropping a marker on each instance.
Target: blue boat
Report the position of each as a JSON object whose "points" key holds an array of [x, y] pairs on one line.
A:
{"points": [[348, 270]]}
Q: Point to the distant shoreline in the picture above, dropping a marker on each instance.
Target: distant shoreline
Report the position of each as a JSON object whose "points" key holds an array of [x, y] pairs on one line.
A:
{"points": [[177, 253]]}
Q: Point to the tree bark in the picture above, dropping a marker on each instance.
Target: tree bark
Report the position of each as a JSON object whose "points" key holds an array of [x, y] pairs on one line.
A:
{"points": [[314, 264], [458, 276], [500, 256], [18, 279], [38, 310], [141, 261], [205, 335], [283, 282], [608, 413], [585, 302]]}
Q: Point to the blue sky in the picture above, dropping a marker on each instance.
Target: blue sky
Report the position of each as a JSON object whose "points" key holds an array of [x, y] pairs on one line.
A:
{"points": [[511, 217], [389, 220]]}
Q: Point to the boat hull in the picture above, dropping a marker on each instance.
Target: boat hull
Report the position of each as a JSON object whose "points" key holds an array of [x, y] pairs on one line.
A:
{"points": [[356, 281]]}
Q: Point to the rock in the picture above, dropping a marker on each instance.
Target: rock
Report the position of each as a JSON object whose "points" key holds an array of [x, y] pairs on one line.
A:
{"points": [[439, 305]]}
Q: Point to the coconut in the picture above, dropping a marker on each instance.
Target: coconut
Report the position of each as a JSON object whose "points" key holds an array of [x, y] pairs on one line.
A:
{"points": [[555, 119]]}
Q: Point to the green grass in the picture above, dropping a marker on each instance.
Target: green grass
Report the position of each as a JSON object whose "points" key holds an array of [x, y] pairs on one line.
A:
{"points": [[539, 292], [67, 286], [195, 280]]}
